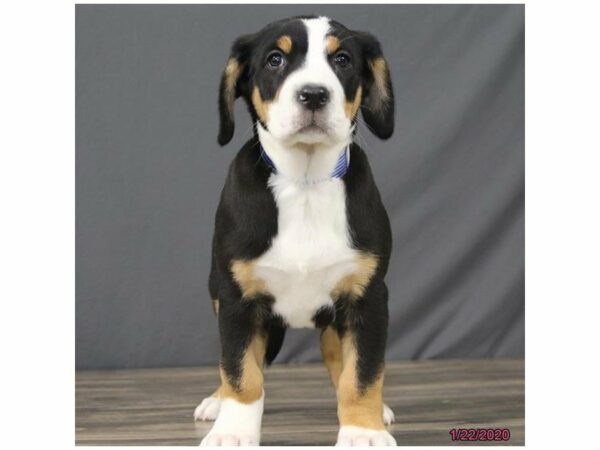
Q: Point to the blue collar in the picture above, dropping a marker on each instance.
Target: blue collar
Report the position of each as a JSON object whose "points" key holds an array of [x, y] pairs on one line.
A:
{"points": [[340, 169]]}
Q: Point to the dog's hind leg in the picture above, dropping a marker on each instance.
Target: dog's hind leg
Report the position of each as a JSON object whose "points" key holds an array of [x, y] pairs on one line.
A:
{"points": [[331, 351], [209, 408]]}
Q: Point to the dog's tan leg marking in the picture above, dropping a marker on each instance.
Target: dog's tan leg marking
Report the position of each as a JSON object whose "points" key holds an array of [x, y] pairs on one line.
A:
{"points": [[240, 402], [247, 390], [331, 350], [249, 387], [359, 406]]}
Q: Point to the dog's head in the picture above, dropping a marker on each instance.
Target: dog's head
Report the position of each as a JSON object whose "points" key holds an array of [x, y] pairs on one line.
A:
{"points": [[305, 79]]}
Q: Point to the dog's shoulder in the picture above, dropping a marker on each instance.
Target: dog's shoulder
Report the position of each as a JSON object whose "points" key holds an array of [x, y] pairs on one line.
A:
{"points": [[367, 217], [247, 214], [359, 175], [247, 171]]}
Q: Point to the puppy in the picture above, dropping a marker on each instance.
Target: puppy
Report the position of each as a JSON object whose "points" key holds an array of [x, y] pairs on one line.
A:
{"points": [[301, 236]]}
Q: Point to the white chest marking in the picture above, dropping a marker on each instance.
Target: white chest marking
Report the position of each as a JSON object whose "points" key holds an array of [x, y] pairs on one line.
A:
{"points": [[311, 251]]}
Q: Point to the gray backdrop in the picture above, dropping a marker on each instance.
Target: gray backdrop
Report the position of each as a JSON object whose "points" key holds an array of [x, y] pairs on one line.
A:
{"points": [[149, 175]]}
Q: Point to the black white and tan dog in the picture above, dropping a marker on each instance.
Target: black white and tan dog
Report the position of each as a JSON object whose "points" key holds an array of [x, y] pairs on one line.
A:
{"points": [[301, 236]]}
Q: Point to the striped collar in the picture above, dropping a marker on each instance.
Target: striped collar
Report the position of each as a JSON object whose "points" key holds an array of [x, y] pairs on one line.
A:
{"points": [[340, 169]]}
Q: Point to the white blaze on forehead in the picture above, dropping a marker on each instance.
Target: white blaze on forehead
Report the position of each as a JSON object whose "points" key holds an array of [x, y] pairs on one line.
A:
{"points": [[316, 68], [316, 30]]}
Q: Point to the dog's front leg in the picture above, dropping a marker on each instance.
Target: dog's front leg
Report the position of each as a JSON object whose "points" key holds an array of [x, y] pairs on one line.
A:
{"points": [[241, 393], [360, 386]]}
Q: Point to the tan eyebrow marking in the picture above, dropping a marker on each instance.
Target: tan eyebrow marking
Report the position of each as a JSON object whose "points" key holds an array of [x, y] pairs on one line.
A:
{"points": [[285, 43], [332, 44]]}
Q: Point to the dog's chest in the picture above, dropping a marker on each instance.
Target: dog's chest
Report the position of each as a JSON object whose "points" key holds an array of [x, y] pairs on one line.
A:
{"points": [[311, 252]]}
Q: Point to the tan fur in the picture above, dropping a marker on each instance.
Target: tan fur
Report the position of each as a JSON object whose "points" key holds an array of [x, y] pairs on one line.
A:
{"points": [[379, 69], [332, 43], [285, 44], [243, 274], [356, 283], [251, 382], [351, 108], [261, 107], [358, 407], [215, 304], [233, 70], [331, 350]]}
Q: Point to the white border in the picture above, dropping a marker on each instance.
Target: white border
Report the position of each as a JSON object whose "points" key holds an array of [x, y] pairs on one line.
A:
{"points": [[37, 186], [563, 224]]}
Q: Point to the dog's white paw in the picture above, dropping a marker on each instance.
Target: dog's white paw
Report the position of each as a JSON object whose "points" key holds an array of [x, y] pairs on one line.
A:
{"points": [[351, 436], [388, 415], [229, 440], [209, 409], [237, 424]]}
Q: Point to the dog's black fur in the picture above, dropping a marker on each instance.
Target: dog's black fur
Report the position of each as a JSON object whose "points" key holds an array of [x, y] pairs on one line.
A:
{"points": [[246, 219]]}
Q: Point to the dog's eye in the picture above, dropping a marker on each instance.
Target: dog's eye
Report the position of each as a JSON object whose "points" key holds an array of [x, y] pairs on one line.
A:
{"points": [[275, 59], [341, 59]]}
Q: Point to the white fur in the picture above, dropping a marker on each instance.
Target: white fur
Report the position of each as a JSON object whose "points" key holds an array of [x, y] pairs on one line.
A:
{"points": [[208, 409], [351, 436], [388, 415], [237, 424], [287, 116], [311, 251]]}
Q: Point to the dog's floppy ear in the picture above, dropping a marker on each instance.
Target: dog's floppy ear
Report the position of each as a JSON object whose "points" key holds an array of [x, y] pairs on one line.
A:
{"points": [[232, 80], [378, 100]]}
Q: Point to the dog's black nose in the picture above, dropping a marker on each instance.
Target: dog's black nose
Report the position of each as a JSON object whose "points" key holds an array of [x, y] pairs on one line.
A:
{"points": [[313, 96]]}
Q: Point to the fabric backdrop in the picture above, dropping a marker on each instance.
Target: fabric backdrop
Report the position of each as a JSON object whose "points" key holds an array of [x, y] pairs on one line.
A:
{"points": [[149, 175]]}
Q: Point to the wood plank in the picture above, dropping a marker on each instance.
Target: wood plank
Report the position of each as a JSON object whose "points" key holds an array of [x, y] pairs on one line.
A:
{"points": [[155, 406]]}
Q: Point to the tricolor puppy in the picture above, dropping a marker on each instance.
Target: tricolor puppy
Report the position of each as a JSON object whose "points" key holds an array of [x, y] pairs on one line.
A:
{"points": [[301, 236]]}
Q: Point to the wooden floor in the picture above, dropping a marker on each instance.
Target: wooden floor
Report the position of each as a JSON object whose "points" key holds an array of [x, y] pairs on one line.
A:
{"points": [[155, 406]]}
